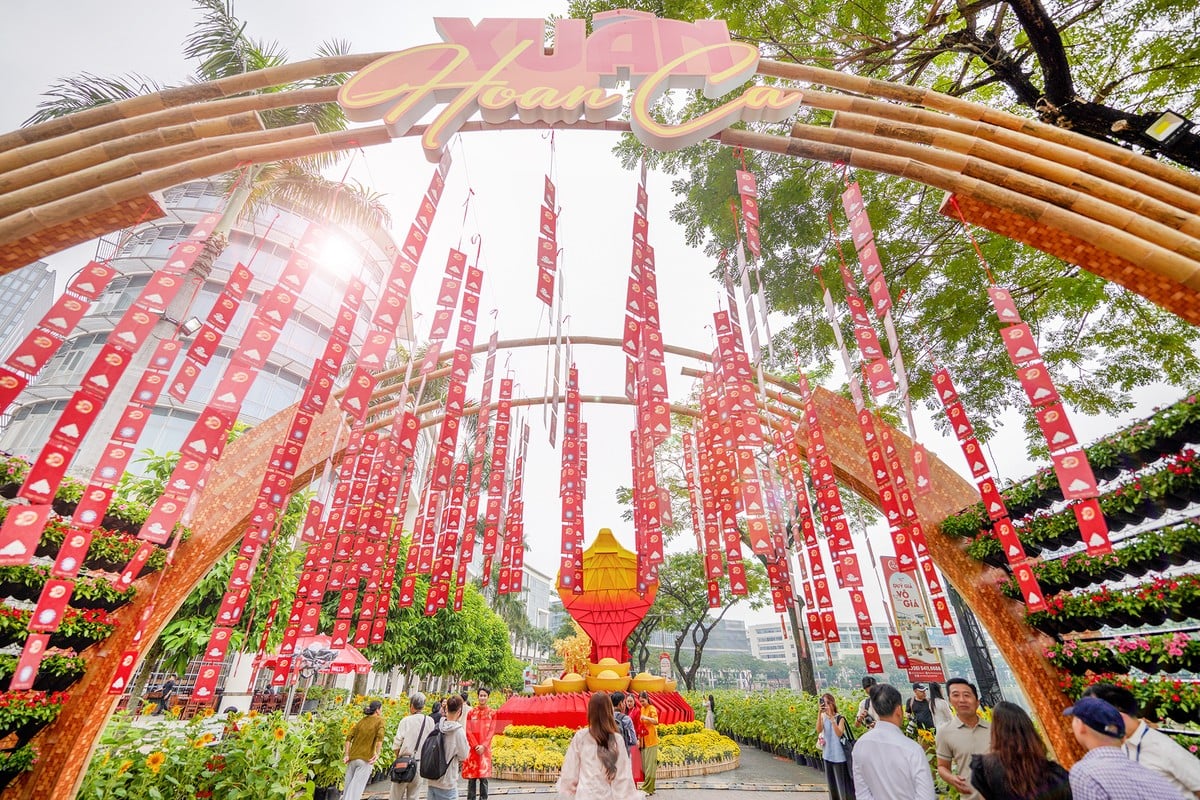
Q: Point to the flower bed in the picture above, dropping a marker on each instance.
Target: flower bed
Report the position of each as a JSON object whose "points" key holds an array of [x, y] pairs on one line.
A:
{"points": [[1159, 698], [532, 753], [26, 582], [1153, 603], [109, 551], [1167, 652], [26, 713], [14, 762], [1155, 550], [1175, 485], [79, 628], [59, 669], [1166, 432]]}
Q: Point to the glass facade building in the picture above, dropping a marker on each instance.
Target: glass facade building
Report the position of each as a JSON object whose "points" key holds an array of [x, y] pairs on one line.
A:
{"points": [[264, 242], [25, 296]]}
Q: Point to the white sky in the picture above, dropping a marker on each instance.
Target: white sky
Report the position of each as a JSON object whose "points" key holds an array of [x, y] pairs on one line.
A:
{"points": [[39, 43]]}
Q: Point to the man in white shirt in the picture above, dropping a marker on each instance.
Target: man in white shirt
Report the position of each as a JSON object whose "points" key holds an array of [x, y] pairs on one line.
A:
{"points": [[410, 735], [1149, 747], [887, 764]]}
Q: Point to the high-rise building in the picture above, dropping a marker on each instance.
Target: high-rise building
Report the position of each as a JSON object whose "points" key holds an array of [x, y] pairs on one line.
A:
{"points": [[264, 242], [768, 643], [25, 296]]}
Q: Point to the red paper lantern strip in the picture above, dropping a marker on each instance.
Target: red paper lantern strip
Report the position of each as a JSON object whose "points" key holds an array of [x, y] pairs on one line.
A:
{"points": [[131, 331], [547, 251], [390, 312], [48, 335], [499, 464], [994, 505], [512, 569], [1071, 467], [274, 494]]}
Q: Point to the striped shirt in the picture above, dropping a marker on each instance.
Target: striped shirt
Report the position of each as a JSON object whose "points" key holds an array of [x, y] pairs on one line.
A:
{"points": [[1106, 773]]}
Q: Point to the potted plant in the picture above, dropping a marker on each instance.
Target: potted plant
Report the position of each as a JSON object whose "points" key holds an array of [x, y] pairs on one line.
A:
{"points": [[81, 628], [14, 762], [23, 582], [26, 713], [100, 593], [58, 670]]}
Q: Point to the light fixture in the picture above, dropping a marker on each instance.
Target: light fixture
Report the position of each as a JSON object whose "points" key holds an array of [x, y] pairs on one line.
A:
{"points": [[1167, 127], [189, 326]]}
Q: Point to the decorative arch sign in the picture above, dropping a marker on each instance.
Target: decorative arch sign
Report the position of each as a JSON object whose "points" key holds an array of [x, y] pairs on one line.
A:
{"points": [[499, 69]]}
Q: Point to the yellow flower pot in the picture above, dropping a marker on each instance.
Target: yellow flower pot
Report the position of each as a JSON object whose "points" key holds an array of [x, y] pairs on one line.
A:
{"points": [[608, 681], [645, 682], [571, 682], [603, 664]]}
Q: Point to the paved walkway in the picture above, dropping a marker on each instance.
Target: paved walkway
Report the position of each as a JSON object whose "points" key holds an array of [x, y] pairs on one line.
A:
{"points": [[759, 772]]}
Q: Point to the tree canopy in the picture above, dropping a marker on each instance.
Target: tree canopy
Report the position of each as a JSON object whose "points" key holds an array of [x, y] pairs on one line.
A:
{"points": [[681, 606], [1100, 341]]}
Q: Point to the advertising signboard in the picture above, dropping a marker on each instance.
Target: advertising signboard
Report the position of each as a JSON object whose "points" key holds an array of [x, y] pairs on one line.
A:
{"points": [[912, 621]]}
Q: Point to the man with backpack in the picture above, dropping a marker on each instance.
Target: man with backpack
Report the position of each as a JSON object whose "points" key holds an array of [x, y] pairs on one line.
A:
{"points": [[443, 753]]}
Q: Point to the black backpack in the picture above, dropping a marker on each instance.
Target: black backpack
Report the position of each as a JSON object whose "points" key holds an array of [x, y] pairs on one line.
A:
{"points": [[433, 763]]}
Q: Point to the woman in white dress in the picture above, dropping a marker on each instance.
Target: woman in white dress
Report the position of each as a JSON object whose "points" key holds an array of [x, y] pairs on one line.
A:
{"points": [[596, 766], [710, 708]]}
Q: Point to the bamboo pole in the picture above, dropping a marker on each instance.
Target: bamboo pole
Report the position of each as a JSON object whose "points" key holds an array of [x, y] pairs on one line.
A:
{"points": [[31, 220], [975, 111], [151, 140], [110, 172], [1006, 175], [111, 132], [1094, 167], [186, 95], [1149, 256]]}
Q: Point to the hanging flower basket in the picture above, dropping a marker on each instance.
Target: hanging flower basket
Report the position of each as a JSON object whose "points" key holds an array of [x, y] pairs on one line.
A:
{"points": [[58, 671]]}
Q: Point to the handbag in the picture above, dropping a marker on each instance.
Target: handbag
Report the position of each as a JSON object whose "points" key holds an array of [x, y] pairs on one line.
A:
{"points": [[847, 739], [404, 768]]}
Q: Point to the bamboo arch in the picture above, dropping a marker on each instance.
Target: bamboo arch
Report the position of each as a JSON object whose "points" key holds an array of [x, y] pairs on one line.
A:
{"points": [[1118, 214]]}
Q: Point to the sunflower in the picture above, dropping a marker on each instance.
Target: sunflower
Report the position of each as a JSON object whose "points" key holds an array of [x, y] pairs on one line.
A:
{"points": [[279, 733], [125, 765], [155, 761], [204, 739]]}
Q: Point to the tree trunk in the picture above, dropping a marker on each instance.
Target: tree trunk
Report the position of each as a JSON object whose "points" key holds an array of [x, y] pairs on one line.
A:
{"points": [[804, 664]]}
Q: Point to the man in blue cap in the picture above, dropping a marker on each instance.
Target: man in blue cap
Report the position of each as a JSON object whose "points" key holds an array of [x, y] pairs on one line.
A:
{"points": [[1105, 773]]}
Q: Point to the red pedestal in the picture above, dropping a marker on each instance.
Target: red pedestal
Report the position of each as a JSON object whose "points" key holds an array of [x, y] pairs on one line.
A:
{"points": [[570, 710]]}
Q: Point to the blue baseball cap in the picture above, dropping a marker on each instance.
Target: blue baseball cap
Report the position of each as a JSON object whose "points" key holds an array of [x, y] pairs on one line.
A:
{"points": [[1099, 715]]}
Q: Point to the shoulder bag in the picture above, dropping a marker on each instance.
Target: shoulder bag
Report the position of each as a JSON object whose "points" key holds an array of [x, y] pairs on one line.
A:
{"points": [[847, 739], [404, 768]]}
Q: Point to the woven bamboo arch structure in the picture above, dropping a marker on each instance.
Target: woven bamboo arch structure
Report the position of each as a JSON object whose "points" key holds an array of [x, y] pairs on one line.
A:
{"points": [[1120, 215], [223, 515]]}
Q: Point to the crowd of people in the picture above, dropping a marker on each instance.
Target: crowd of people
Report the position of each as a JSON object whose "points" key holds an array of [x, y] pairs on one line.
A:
{"points": [[1004, 759], [607, 759], [1000, 756]]}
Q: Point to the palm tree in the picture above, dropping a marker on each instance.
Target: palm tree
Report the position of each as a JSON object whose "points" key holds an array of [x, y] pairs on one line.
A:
{"points": [[220, 44]]}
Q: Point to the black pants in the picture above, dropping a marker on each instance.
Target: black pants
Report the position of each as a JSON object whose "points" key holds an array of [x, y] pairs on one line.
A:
{"points": [[841, 783], [483, 788]]}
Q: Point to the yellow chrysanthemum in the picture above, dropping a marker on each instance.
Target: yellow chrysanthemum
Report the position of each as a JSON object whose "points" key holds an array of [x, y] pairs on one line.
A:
{"points": [[155, 761], [279, 733]]}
